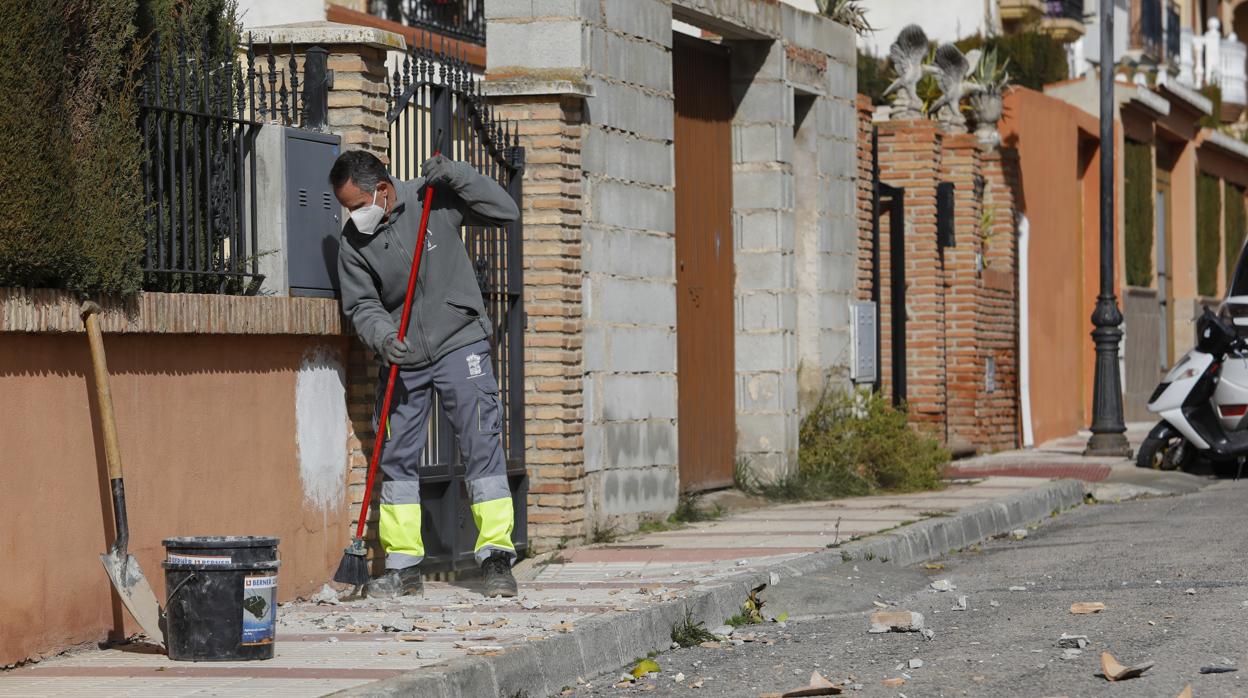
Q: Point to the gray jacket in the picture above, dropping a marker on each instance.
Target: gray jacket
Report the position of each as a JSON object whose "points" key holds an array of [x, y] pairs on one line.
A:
{"points": [[447, 312]]}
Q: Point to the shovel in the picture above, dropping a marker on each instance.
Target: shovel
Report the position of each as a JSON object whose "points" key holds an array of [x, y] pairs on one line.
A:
{"points": [[121, 566]]}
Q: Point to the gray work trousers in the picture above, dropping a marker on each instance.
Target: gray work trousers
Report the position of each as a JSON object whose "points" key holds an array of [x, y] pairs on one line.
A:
{"points": [[465, 383]]}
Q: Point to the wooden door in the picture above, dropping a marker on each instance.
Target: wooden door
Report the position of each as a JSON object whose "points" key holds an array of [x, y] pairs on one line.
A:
{"points": [[704, 273]]}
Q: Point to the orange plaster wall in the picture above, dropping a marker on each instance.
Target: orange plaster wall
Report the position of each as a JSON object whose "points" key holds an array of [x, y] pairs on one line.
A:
{"points": [[1062, 258], [208, 442]]}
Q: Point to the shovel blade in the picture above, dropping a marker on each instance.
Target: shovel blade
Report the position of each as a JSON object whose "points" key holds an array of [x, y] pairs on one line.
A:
{"points": [[123, 570]]}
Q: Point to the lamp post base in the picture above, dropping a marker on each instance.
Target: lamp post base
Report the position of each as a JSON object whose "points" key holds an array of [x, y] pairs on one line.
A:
{"points": [[1108, 445], [1108, 428]]}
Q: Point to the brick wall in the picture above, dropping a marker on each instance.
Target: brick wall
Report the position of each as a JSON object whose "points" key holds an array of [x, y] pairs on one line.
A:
{"points": [[550, 132], [961, 301]]}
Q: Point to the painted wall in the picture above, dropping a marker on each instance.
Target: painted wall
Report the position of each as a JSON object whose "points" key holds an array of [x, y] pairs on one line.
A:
{"points": [[265, 13], [1062, 254], [220, 435]]}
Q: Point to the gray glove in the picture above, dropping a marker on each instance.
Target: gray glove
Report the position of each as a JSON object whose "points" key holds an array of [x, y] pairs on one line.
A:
{"points": [[439, 171], [395, 350]]}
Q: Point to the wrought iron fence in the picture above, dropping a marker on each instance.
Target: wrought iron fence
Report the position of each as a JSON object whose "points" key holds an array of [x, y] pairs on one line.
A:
{"points": [[435, 104], [199, 116], [460, 19]]}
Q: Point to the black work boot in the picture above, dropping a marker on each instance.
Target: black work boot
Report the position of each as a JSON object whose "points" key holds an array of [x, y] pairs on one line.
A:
{"points": [[496, 576], [396, 583]]}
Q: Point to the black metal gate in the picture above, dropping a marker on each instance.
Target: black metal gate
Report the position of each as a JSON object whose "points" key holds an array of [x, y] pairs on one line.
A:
{"points": [[435, 104], [886, 198]]}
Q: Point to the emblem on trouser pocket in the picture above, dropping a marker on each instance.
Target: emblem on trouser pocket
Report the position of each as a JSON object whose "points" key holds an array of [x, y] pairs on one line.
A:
{"points": [[474, 365]]}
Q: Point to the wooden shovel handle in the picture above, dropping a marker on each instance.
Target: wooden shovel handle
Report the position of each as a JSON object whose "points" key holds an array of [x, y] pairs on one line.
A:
{"points": [[104, 395]]}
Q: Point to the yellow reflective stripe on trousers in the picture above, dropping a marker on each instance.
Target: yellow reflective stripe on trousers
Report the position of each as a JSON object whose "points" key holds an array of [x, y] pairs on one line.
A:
{"points": [[399, 529], [494, 520]]}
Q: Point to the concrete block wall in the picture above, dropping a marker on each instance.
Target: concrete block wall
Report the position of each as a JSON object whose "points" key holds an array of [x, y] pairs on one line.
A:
{"points": [[618, 56], [629, 251], [767, 304]]}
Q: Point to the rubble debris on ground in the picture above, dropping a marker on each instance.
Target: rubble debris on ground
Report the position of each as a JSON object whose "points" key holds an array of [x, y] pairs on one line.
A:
{"points": [[327, 596], [645, 667], [1075, 641], [818, 686], [1018, 533], [1113, 670], [1190, 591], [1018, 588], [896, 621], [942, 585], [1221, 666], [893, 682], [1086, 607], [961, 603]]}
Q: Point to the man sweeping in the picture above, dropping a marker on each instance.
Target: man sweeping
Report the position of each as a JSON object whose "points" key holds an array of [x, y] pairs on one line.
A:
{"points": [[445, 349]]}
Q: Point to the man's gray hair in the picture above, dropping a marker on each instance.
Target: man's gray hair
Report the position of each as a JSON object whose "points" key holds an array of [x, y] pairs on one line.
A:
{"points": [[360, 168]]}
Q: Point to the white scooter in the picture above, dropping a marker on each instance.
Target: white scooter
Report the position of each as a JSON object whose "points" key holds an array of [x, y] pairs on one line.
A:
{"points": [[1203, 399]]}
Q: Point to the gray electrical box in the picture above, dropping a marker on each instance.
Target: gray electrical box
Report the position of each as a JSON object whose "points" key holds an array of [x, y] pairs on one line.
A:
{"points": [[313, 215], [863, 366]]}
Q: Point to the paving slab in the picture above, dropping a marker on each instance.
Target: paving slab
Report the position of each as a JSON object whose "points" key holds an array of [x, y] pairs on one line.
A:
{"points": [[578, 609]]}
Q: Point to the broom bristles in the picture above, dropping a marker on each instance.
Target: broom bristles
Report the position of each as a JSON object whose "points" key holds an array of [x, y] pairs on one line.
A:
{"points": [[353, 569]]}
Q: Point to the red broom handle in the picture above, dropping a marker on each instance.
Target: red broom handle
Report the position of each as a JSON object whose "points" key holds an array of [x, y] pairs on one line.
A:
{"points": [[379, 438]]}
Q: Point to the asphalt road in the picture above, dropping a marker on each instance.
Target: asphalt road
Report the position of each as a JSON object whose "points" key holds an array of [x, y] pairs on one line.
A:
{"points": [[1139, 558]]}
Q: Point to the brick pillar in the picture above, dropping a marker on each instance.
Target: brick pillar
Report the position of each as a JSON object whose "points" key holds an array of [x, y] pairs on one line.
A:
{"points": [[964, 364], [998, 321], [357, 57], [551, 134], [909, 153]]}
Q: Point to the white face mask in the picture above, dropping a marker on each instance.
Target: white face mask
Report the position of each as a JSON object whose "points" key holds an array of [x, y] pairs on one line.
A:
{"points": [[366, 218]]}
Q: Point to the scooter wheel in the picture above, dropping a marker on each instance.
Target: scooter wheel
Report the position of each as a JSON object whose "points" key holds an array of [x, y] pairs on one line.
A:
{"points": [[1164, 453]]}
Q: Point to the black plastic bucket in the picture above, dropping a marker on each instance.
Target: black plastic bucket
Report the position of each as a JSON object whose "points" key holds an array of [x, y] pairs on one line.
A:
{"points": [[220, 597]]}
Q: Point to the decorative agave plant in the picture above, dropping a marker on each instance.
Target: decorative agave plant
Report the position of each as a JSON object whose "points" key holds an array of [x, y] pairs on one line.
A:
{"points": [[848, 12], [993, 77]]}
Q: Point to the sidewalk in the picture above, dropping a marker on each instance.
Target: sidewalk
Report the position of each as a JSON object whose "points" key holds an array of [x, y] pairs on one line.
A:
{"points": [[326, 648]]}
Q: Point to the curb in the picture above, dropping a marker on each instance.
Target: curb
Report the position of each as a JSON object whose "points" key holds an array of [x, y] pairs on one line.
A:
{"points": [[544, 668]]}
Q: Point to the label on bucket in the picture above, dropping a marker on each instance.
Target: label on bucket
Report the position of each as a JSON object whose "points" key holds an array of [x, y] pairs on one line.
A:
{"points": [[201, 560], [259, 609]]}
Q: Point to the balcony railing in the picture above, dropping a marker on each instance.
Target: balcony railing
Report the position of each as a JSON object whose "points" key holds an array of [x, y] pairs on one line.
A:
{"points": [[1174, 41], [1150, 33], [1064, 9], [1212, 59], [459, 19]]}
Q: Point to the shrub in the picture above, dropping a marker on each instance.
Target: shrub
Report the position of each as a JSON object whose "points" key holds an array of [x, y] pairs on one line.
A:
{"points": [[70, 149], [873, 76], [1236, 224], [1138, 213], [853, 445], [1208, 243], [1035, 59]]}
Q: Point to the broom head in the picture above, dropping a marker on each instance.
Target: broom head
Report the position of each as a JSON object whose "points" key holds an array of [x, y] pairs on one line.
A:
{"points": [[353, 569]]}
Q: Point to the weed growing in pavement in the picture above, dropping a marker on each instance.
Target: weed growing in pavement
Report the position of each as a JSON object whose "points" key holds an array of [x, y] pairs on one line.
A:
{"points": [[689, 511], [850, 445], [742, 619], [688, 633], [603, 533]]}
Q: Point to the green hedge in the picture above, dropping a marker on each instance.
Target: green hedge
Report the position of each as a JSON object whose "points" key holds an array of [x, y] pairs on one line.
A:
{"points": [[1138, 212], [1035, 59], [1208, 239], [1235, 223], [70, 149]]}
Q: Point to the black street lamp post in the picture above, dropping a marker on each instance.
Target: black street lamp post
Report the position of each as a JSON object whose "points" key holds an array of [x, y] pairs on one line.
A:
{"points": [[1108, 430]]}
